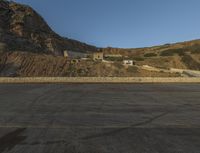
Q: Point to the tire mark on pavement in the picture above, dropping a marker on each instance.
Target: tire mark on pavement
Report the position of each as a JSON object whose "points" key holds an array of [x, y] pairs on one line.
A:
{"points": [[37, 99], [115, 131], [12, 139]]}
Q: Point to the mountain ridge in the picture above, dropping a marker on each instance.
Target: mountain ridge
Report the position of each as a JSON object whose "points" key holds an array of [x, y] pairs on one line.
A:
{"points": [[22, 28], [21, 23]]}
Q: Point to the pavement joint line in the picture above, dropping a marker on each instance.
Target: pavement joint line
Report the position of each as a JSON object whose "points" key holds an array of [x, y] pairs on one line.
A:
{"points": [[98, 127]]}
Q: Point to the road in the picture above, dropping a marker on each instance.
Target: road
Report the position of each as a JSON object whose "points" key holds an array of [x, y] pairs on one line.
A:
{"points": [[99, 118]]}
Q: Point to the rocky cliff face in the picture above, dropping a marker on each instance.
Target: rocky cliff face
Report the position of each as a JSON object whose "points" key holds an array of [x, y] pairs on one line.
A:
{"points": [[23, 29]]}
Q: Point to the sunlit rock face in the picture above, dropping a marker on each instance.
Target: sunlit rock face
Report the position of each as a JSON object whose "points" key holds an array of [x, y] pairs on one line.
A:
{"points": [[22, 28]]}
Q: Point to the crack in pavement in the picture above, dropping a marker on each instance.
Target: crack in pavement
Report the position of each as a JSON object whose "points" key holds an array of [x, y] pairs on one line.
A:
{"points": [[35, 100], [46, 143], [125, 128]]}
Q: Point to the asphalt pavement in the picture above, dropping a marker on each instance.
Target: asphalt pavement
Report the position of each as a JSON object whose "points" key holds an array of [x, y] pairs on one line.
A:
{"points": [[99, 118]]}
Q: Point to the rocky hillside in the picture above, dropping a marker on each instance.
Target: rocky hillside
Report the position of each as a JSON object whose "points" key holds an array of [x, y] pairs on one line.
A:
{"points": [[23, 29], [28, 47], [184, 55], [23, 64]]}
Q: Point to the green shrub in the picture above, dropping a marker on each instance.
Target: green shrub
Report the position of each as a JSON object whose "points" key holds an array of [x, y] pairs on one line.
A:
{"points": [[150, 55], [138, 58], [29, 14], [172, 52], [190, 62], [195, 52], [114, 58], [167, 53], [164, 46], [195, 49]]}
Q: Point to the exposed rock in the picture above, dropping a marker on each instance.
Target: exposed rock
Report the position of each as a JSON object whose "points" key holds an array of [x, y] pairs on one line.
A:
{"points": [[21, 28]]}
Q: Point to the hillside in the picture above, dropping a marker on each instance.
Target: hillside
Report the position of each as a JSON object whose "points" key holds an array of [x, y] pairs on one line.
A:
{"points": [[30, 64], [29, 47], [184, 55], [22, 28]]}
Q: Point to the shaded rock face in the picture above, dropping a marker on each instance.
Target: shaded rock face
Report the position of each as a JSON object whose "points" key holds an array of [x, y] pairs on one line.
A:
{"points": [[21, 28]]}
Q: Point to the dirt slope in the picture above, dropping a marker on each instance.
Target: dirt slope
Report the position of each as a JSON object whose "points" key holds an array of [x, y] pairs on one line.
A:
{"points": [[30, 64]]}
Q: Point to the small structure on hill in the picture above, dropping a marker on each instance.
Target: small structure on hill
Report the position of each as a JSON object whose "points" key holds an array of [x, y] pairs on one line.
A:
{"points": [[97, 56], [76, 54], [128, 62], [65, 54]]}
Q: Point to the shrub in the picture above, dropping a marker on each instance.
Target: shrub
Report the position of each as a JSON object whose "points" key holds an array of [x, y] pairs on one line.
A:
{"points": [[195, 52], [195, 49], [167, 53], [172, 52], [150, 55], [114, 58], [165, 46], [190, 62], [138, 58], [29, 14]]}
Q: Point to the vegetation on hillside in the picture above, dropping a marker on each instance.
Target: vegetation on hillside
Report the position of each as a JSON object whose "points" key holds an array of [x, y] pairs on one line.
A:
{"points": [[150, 55], [190, 62], [172, 52]]}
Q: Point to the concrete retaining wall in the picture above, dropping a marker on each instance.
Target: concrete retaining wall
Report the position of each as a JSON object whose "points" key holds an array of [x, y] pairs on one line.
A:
{"points": [[98, 80]]}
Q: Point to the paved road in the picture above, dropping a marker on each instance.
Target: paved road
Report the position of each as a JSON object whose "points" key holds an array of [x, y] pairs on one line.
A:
{"points": [[100, 118]]}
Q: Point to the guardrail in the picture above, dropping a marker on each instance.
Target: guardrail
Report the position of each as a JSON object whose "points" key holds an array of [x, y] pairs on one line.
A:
{"points": [[99, 80]]}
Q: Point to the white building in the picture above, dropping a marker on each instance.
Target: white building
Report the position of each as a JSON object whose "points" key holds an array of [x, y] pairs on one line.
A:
{"points": [[98, 56], [128, 62], [65, 54]]}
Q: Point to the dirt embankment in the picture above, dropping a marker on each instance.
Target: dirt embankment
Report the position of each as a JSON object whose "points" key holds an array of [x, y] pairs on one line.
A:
{"points": [[42, 65]]}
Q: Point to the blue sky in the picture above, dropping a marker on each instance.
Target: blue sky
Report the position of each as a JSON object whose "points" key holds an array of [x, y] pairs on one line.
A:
{"points": [[122, 23]]}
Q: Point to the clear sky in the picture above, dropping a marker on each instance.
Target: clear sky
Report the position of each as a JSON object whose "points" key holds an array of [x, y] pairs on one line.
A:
{"points": [[122, 23]]}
